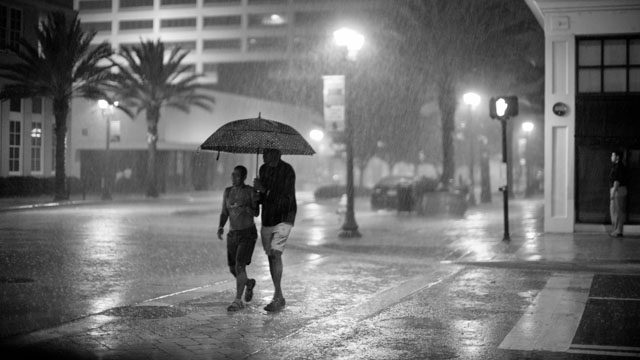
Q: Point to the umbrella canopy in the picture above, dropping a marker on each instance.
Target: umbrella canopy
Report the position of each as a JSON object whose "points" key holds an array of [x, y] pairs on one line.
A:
{"points": [[248, 136]]}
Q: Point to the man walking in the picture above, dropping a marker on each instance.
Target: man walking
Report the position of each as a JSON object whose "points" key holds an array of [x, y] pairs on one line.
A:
{"points": [[239, 205], [277, 190]]}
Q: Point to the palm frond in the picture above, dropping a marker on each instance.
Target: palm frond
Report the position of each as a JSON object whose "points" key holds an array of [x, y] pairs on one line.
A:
{"points": [[149, 76]]}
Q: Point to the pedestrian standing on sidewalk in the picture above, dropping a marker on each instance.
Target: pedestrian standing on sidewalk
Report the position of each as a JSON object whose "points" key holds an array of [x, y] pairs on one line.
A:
{"points": [[276, 186], [239, 205], [617, 194]]}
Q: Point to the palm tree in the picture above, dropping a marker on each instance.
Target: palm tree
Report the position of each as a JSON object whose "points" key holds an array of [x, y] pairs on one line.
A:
{"points": [[63, 65], [145, 81]]}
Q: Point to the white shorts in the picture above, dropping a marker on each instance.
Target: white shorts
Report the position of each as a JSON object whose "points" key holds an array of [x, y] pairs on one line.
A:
{"points": [[275, 237]]}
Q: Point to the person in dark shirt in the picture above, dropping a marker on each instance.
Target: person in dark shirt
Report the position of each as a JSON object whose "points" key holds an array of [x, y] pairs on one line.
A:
{"points": [[277, 190], [617, 194]]}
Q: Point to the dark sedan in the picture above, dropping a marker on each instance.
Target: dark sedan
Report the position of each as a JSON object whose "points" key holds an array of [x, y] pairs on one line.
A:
{"points": [[388, 190]]}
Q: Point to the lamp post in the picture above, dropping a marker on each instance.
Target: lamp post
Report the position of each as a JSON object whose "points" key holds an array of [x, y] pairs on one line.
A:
{"points": [[472, 100], [106, 109], [527, 128], [353, 42]]}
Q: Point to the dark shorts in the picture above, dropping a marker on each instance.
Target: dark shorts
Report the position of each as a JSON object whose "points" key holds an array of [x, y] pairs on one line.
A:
{"points": [[240, 245]]}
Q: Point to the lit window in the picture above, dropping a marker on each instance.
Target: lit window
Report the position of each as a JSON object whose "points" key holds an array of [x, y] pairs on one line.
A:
{"points": [[36, 146]]}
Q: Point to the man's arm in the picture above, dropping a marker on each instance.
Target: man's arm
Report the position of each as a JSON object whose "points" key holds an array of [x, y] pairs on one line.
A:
{"points": [[224, 214]]}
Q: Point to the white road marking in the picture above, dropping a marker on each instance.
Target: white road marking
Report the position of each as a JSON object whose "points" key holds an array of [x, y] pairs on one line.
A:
{"points": [[625, 351], [551, 321]]}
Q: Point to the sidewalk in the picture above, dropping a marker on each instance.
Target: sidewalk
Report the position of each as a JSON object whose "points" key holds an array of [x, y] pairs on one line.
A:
{"points": [[330, 284]]}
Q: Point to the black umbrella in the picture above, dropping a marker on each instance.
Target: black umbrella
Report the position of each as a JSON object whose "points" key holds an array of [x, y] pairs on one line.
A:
{"points": [[254, 135]]}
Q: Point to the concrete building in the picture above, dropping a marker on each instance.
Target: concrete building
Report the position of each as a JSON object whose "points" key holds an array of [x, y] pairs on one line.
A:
{"points": [[216, 32], [26, 125], [592, 106]]}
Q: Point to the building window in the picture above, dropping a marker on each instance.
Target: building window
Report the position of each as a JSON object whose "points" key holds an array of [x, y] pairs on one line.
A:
{"points": [[267, 20], [94, 5], [36, 146], [267, 44], [98, 26], [608, 65], [15, 140], [10, 28], [135, 3], [266, 2], [54, 142], [222, 2], [221, 44], [136, 25], [36, 105], [184, 45], [177, 2], [222, 21], [178, 23], [15, 105], [314, 19]]}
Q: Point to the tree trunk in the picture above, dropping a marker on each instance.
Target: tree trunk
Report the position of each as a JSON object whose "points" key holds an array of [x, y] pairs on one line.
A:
{"points": [[153, 115], [361, 167], [447, 104], [60, 111]]}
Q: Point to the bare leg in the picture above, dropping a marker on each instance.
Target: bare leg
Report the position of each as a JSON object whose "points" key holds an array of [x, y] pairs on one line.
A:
{"points": [[241, 280], [275, 267]]}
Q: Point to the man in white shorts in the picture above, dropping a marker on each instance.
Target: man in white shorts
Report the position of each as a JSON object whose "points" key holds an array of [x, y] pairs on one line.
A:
{"points": [[276, 186]]}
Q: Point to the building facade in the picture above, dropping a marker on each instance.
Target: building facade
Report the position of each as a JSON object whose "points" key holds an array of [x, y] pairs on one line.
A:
{"points": [[215, 32], [592, 106], [221, 31], [26, 125]]}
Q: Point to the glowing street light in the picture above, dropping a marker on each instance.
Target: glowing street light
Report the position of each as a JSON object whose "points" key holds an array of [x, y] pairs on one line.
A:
{"points": [[106, 109], [353, 41], [350, 39], [472, 100], [316, 135]]}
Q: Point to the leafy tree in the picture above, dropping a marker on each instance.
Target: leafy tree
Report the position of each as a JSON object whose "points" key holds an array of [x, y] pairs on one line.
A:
{"points": [[63, 65], [444, 41], [146, 81]]}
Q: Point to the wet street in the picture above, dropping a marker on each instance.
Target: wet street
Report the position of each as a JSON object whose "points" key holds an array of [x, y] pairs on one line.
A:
{"points": [[148, 279]]}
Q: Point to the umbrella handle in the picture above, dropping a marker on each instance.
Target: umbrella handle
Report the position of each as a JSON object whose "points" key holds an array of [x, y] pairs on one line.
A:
{"points": [[257, 157]]}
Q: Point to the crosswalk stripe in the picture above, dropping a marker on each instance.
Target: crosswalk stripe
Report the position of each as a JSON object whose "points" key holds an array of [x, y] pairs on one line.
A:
{"points": [[551, 321]]}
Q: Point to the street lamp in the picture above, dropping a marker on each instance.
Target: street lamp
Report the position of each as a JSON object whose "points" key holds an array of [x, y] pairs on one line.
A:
{"points": [[353, 41], [472, 100], [527, 128], [106, 109]]}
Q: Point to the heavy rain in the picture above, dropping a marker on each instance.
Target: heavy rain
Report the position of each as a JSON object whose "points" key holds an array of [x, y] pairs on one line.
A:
{"points": [[460, 189]]}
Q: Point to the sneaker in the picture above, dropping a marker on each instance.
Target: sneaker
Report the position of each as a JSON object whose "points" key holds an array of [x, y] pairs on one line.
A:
{"points": [[235, 305], [248, 293], [275, 305]]}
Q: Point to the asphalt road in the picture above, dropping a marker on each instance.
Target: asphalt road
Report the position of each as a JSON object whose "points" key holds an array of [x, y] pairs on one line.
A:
{"points": [[413, 287]]}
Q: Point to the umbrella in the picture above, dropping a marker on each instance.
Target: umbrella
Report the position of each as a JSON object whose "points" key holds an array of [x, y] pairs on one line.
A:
{"points": [[254, 135]]}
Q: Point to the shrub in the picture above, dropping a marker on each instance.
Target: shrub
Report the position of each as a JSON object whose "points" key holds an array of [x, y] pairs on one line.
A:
{"points": [[337, 190], [21, 186]]}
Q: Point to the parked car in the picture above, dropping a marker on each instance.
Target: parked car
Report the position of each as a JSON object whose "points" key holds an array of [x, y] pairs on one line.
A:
{"points": [[401, 193], [386, 192]]}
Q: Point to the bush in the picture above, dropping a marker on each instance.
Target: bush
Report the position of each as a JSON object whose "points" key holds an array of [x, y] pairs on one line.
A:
{"points": [[337, 190], [22, 186]]}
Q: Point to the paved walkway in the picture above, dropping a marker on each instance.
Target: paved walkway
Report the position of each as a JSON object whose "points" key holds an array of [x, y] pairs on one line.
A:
{"points": [[335, 283]]}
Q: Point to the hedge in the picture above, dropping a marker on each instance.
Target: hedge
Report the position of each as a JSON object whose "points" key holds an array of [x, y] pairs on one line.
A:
{"points": [[21, 186]]}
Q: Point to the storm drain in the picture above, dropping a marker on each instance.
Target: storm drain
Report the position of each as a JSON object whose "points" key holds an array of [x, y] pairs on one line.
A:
{"points": [[146, 312], [15, 280]]}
